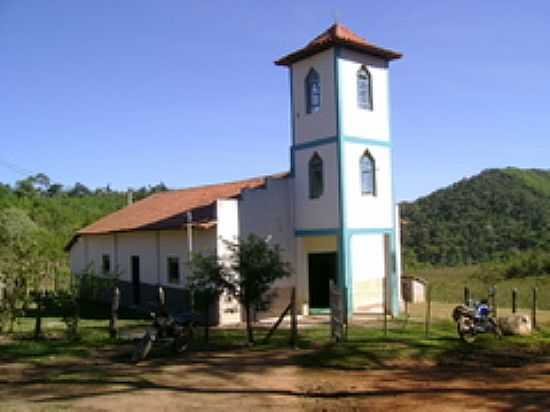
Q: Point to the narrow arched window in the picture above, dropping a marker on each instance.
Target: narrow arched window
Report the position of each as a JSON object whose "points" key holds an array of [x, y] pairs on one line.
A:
{"points": [[368, 174], [364, 89], [315, 176], [313, 92]]}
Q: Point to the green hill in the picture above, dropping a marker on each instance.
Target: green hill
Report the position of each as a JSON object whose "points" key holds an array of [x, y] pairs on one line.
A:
{"points": [[60, 211], [480, 218]]}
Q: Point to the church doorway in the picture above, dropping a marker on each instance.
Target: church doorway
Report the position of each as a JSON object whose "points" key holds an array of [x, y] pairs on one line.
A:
{"points": [[322, 267]]}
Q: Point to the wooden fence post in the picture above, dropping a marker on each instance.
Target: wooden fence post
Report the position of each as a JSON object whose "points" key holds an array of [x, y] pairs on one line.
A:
{"points": [[387, 273], [385, 307], [345, 314], [514, 300], [293, 319], [115, 303], [466, 295], [493, 296], [162, 300], [428, 308], [39, 309], [534, 308]]}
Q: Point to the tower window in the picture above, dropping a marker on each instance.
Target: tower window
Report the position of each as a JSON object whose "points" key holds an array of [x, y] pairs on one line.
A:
{"points": [[315, 176], [368, 174], [364, 89], [313, 92]]}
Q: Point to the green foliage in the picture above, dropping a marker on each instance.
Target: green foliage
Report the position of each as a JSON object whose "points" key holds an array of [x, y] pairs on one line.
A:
{"points": [[448, 285], [208, 279], [37, 219], [479, 219], [258, 265]]}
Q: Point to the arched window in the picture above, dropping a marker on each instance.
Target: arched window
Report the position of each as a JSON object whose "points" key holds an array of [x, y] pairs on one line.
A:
{"points": [[364, 89], [313, 92], [315, 176], [368, 174]]}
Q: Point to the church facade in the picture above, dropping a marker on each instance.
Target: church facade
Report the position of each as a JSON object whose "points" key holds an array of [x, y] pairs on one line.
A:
{"points": [[333, 213]]}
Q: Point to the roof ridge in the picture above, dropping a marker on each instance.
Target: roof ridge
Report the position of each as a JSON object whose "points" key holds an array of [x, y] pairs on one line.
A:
{"points": [[248, 179]]}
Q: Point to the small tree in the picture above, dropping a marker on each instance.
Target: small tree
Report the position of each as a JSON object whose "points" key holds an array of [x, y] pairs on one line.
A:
{"points": [[208, 280], [255, 265]]}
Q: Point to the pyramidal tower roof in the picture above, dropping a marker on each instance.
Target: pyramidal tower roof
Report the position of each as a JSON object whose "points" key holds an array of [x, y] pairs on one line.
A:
{"points": [[337, 35]]}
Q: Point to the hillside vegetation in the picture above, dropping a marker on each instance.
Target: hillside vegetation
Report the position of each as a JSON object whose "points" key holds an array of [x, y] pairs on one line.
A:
{"points": [[496, 214], [491, 216], [58, 212]]}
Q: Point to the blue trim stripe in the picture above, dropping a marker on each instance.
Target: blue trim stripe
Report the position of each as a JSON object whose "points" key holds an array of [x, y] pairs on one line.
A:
{"points": [[315, 232], [292, 126], [343, 244], [368, 231], [314, 143], [361, 140]]}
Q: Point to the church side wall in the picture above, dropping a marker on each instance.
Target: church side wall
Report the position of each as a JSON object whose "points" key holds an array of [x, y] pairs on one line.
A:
{"points": [[153, 249], [228, 309], [266, 212]]}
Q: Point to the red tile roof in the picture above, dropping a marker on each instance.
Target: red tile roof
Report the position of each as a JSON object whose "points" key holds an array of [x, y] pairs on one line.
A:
{"points": [[337, 35], [168, 210]]}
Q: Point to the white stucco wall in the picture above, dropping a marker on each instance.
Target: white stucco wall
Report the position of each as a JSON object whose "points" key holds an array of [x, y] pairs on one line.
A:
{"points": [[367, 271], [368, 211], [266, 212], [77, 259], [174, 243], [370, 124], [96, 247], [322, 123], [152, 247], [227, 229], [320, 213]]}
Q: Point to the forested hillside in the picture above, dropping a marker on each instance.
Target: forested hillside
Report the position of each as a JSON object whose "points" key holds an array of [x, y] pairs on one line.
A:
{"points": [[481, 218], [58, 211], [485, 217]]}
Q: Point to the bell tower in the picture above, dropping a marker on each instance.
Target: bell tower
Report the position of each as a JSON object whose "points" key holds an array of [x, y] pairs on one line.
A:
{"points": [[341, 163]]}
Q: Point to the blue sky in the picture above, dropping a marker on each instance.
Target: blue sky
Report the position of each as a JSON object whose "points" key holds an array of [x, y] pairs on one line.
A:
{"points": [[130, 93]]}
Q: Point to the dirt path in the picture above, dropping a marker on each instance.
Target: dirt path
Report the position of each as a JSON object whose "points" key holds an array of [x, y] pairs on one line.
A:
{"points": [[245, 380]]}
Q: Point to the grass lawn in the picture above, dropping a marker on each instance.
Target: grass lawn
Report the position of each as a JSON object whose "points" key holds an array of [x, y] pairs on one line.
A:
{"points": [[448, 286], [366, 347]]}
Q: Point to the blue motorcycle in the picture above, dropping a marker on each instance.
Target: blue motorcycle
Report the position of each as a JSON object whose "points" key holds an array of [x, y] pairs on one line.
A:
{"points": [[475, 318]]}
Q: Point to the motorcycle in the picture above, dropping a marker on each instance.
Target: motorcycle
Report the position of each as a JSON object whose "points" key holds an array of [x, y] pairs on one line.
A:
{"points": [[179, 329], [475, 318]]}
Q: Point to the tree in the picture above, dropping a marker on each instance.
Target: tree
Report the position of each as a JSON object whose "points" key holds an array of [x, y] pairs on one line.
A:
{"points": [[208, 280], [20, 262], [79, 190], [254, 266], [55, 189]]}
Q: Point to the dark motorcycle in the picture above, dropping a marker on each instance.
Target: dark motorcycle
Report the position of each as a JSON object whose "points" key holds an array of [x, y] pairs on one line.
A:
{"points": [[177, 329], [473, 319]]}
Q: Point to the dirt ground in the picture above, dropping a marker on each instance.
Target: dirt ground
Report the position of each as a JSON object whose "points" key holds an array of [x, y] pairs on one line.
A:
{"points": [[243, 380]]}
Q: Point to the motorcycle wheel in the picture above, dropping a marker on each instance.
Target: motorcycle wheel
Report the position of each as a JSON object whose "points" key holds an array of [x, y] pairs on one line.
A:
{"points": [[465, 333], [182, 341], [496, 329], [143, 347]]}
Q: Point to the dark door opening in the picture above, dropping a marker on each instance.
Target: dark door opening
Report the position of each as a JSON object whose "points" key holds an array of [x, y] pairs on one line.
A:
{"points": [[135, 279], [322, 268]]}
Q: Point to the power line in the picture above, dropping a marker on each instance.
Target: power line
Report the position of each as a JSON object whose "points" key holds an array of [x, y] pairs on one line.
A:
{"points": [[15, 168]]}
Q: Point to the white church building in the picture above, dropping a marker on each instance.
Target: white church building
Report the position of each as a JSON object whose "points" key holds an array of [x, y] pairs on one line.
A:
{"points": [[330, 213]]}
